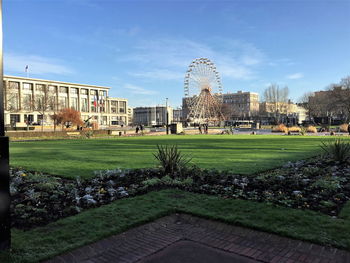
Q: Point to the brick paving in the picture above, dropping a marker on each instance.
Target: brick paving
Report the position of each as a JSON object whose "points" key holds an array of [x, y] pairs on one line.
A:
{"points": [[148, 241]]}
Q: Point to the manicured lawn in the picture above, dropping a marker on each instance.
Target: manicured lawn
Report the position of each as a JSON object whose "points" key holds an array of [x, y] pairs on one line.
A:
{"points": [[91, 225], [244, 154]]}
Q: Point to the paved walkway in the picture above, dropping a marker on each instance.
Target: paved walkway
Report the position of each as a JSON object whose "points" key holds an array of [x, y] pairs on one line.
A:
{"points": [[187, 239]]}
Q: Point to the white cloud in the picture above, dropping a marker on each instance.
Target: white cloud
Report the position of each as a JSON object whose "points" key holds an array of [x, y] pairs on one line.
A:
{"points": [[162, 74], [139, 90], [36, 64], [233, 71], [295, 76], [234, 59], [282, 62]]}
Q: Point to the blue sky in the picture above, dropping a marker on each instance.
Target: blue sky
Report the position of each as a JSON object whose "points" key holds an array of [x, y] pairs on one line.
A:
{"points": [[142, 49]]}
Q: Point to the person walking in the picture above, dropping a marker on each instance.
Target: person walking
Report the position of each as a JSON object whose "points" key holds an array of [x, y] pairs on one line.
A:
{"points": [[141, 128], [349, 128], [137, 129]]}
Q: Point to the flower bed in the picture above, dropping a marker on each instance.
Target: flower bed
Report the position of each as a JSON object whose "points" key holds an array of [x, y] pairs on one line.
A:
{"points": [[320, 184], [315, 185], [38, 198]]}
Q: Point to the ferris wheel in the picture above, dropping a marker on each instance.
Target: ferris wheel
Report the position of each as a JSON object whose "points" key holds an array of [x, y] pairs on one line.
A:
{"points": [[203, 92]]}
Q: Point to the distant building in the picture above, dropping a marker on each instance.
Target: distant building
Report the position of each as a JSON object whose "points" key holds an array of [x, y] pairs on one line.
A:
{"points": [[330, 105], [185, 107], [235, 105], [177, 115], [151, 116], [241, 104], [32, 101], [270, 108], [130, 115], [284, 112]]}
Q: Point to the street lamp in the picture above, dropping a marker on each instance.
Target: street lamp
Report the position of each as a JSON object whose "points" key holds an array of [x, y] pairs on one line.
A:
{"points": [[5, 234], [166, 116]]}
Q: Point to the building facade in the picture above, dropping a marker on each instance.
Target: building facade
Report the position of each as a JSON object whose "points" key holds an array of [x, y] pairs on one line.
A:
{"points": [[130, 115], [177, 115], [152, 116], [241, 104], [33, 101], [282, 112]]}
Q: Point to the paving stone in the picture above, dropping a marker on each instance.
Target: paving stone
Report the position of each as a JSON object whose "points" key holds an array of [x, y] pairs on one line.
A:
{"points": [[141, 242]]}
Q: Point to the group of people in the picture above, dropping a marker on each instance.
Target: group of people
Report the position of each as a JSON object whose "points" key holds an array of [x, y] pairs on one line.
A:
{"points": [[139, 128], [203, 128]]}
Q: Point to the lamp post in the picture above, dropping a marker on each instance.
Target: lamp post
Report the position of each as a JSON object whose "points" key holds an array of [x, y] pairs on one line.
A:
{"points": [[166, 116], [5, 234]]}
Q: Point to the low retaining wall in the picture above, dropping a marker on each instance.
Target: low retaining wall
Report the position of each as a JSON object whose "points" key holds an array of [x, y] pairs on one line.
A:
{"points": [[28, 134]]}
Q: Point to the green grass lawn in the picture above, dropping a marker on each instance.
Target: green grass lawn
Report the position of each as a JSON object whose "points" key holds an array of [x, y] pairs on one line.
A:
{"points": [[244, 154], [94, 224]]}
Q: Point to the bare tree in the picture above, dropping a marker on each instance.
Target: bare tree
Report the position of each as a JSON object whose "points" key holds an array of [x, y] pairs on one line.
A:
{"points": [[341, 98], [28, 105], [333, 101], [308, 104], [12, 98], [345, 82], [277, 99], [44, 101], [229, 111]]}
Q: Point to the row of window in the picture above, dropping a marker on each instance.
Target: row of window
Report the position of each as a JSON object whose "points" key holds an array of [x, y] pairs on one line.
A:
{"points": [[47, 103], [15, 86], [28, 118]]}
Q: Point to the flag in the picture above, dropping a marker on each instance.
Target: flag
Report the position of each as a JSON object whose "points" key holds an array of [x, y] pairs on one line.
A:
{"points": [[95, 101], [26, 69]]}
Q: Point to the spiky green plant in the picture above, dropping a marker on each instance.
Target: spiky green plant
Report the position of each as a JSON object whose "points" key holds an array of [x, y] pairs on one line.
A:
{"points": [[338, 149], [171, 159]]}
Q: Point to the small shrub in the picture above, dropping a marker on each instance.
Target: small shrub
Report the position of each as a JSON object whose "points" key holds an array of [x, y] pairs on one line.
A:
{"points": [[344, 127], [89, 134], [330, 183], [151, 182], [225, 132], [338, 150], [302, 131], [311, 129], [280, 128], [171, 159]]}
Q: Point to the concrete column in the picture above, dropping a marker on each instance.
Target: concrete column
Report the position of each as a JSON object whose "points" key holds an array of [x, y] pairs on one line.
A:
{"points": [[78, 98], [33, 96], [88, 99], [20, 95], [57, 108], [68, 96]]}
